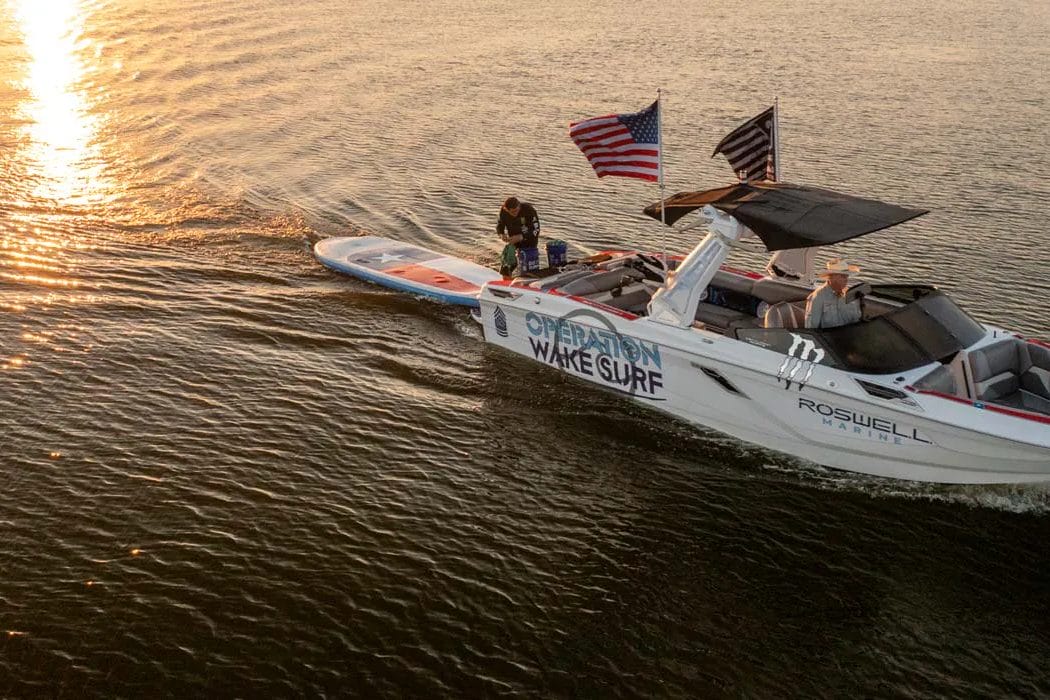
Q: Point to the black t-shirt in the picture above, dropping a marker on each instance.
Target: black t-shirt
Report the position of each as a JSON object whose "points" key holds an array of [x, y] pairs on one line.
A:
{"points": [[526, 223]]}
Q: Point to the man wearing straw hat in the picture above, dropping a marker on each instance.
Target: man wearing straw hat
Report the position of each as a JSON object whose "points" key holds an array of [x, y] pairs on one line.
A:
{"points": [[829, 306]]}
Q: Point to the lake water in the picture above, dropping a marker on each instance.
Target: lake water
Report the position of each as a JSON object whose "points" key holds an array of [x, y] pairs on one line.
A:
{"points": [[229, 472]]}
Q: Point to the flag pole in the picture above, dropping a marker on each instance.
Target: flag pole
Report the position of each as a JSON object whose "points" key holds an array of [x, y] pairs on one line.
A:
{"points": [[660, 166], [776, 137]]}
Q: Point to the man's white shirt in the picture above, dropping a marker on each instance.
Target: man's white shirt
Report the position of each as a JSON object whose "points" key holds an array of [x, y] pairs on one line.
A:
{"points": [[826, 309]]}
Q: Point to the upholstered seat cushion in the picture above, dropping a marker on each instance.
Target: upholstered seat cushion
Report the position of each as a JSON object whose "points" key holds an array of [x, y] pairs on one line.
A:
{"points": [[785, 315], [1036, 378], [1037, 381], [774, 291], [734, 283], [560, 280], [1032, 402], [997, 369], [632, 297], [998, 386], [602, 281], [1003, 369], [718, 316]]}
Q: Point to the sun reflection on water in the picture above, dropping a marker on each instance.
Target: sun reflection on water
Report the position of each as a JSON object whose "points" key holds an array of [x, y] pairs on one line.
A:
{"points": [[63, 160]]}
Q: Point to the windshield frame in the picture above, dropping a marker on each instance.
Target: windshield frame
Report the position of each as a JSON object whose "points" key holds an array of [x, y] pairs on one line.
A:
{"points": [[928, 329]]}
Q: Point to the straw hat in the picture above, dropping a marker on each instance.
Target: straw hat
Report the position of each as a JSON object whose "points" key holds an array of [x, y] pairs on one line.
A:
{"points": [[838, 266]]}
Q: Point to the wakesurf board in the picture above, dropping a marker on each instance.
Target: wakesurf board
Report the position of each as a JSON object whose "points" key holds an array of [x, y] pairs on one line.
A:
{"points": [[406, 268]]}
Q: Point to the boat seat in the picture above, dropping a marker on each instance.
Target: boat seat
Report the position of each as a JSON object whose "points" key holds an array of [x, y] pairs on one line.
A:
{"points": [[1033, 402], [774, 291], [719, 316], [561, 279], [734, 283], [1036, 379], [940, 380], [1012, 372], [785, 315], [742, 324], [1026, 401], [997, 369], [631, 298], [597, 282]]}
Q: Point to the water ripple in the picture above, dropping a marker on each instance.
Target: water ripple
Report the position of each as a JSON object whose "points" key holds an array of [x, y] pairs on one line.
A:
{"points": [[228, 469]]}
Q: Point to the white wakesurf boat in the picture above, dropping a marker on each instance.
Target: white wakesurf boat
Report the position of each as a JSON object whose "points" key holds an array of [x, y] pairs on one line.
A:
{"points": [[916, 390]]}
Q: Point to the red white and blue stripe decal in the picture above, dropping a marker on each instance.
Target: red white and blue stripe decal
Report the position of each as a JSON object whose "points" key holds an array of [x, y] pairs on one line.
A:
{"points": [[406, 268]]}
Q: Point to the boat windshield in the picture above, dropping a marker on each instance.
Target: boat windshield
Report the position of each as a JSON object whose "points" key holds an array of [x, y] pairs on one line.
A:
{"points": [[930, 327]]}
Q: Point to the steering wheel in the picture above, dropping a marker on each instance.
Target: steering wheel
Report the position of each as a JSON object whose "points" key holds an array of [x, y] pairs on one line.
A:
{"points": [[856, 291]]}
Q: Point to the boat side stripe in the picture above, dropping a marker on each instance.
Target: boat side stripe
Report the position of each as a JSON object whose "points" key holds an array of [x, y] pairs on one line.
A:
{"points": [[1016, 413], [582, 300], [743, 273]]}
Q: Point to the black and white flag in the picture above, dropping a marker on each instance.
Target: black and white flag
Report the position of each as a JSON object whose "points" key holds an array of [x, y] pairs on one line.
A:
{"points": [[750, 148]]}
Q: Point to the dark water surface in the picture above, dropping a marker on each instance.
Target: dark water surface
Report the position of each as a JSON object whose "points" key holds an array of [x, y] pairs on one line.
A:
{"points": [[227, 471]]}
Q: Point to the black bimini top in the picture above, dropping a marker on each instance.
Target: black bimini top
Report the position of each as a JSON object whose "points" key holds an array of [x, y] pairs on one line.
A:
{"points": [[788, 216]]}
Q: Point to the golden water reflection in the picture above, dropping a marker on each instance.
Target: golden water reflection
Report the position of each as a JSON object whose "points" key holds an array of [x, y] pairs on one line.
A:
{"points": [[61, 157]]}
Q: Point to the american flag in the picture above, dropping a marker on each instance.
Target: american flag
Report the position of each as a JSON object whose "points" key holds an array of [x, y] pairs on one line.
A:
{"points": [[627, 145], [750, 148]]}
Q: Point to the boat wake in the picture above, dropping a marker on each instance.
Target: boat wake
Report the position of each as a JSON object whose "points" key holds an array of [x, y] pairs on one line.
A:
{"points": [[1029, 499]]}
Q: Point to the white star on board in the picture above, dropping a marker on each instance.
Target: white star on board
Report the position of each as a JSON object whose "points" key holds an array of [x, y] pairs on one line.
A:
{"points": [[387, 257]]}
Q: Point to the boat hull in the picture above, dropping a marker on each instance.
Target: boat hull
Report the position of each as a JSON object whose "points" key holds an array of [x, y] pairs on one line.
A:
{"points": [[823, 415]]}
